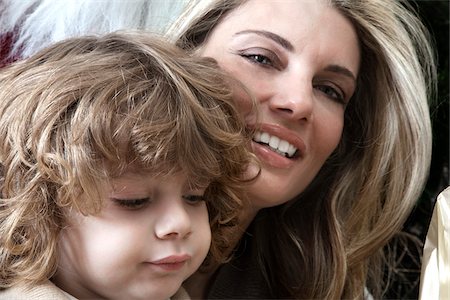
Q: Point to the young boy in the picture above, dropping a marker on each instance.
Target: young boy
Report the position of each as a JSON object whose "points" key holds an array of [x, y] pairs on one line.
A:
{"points": [[112, 149]]}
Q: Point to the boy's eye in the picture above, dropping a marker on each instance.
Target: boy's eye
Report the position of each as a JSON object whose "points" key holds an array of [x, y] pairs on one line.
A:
{"points": [[132, 204], [194, 199]]}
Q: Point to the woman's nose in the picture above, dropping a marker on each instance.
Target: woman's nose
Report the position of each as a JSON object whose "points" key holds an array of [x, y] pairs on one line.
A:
{"points": [[174, 222], [293, 99]]}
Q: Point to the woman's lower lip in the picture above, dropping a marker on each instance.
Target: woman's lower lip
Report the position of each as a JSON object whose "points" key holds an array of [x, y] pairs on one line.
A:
{"points": [[270, 157]]}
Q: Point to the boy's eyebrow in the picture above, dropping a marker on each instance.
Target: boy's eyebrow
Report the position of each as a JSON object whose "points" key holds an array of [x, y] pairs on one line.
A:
{"points": [[270, 35]]}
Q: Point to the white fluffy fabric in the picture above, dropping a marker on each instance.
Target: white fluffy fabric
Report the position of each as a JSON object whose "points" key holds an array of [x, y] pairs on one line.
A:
{"points": [[39, 23]]}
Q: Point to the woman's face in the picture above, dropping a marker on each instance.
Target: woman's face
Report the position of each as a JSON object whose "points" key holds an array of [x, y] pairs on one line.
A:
{"points": [[300, 59]]}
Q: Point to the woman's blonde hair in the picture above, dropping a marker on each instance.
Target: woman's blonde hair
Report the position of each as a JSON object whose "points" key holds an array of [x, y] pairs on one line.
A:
{"points": [[82, 111], [327, 243]]}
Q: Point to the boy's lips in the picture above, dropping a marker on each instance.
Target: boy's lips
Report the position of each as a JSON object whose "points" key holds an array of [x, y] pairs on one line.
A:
{"points": [[172, 262], [172, 259]]}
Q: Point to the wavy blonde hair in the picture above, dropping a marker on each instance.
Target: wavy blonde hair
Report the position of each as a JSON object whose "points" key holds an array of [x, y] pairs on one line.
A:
{"points": [[70, 112], [327, 242]]}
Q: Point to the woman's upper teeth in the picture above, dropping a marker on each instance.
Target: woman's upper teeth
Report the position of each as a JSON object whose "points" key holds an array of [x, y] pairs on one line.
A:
{"points": [[280, 146]]}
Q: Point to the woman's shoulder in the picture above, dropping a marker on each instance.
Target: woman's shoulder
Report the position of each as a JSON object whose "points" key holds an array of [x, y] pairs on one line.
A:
{"points": [[45, 291], [241, 277]]}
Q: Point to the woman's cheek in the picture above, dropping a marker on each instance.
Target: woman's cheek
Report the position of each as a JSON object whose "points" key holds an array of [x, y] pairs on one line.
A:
{"points": [[244, 101]]}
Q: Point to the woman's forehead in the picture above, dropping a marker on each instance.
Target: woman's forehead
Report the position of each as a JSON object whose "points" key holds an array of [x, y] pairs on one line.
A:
{"points": [[307, 24]]}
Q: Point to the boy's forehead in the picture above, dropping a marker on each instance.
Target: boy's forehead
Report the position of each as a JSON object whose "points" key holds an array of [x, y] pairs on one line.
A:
{"points": [[136, 173]]}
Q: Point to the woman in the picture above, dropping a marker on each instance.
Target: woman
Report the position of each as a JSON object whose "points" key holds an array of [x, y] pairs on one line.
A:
{"points": [[342, 92], [344, 82]]}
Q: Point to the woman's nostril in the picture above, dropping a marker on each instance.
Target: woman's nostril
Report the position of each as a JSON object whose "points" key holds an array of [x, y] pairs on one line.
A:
{"points": [[287, 110]]}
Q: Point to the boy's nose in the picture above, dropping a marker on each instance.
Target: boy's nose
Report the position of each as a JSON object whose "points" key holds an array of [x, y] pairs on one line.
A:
{"points": [[174, 222]]}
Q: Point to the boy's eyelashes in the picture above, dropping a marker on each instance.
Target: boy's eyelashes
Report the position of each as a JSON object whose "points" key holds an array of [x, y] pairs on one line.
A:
{"points": [[134, 204], [194, 199]]}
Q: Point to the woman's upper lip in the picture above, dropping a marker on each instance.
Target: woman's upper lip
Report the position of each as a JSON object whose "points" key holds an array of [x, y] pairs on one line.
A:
{"points": [[172, 259], [283, 133]]}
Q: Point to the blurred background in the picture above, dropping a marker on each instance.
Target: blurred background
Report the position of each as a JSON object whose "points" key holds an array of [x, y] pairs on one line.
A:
{"points": [[405, 282]]}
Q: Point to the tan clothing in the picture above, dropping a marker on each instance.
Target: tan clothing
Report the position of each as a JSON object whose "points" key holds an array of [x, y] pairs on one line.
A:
{"points": [[181, 294], [49, 291], [45, 291]]}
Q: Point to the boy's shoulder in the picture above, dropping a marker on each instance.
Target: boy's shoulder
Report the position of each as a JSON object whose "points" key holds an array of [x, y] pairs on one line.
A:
{"points": [[45, 291], [181, 294]]}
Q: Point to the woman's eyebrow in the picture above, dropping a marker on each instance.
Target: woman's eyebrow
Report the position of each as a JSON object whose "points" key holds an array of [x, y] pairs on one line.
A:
{"points": [[273, 36], [341, 70], [288, 46]]}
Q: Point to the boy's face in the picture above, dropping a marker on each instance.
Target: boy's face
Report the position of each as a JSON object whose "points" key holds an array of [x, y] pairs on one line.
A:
{"points": [[150, 236]]}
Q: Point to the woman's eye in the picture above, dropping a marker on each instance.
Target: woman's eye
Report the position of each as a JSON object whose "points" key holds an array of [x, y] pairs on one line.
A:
{"points": [[331, 93], [258, 58], [261, 56], [194, 199], [132, 204]]}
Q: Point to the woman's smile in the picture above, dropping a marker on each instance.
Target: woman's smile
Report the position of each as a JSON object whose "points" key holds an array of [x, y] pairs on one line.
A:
{"points": [[277, 146]]}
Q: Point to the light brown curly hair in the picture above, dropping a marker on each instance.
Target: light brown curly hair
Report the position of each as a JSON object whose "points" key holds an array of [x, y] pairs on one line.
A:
{"points": [[70, 112]]}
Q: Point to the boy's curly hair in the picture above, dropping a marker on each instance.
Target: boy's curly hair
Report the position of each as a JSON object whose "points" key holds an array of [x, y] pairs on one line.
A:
{"points": [[70, 112]]}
